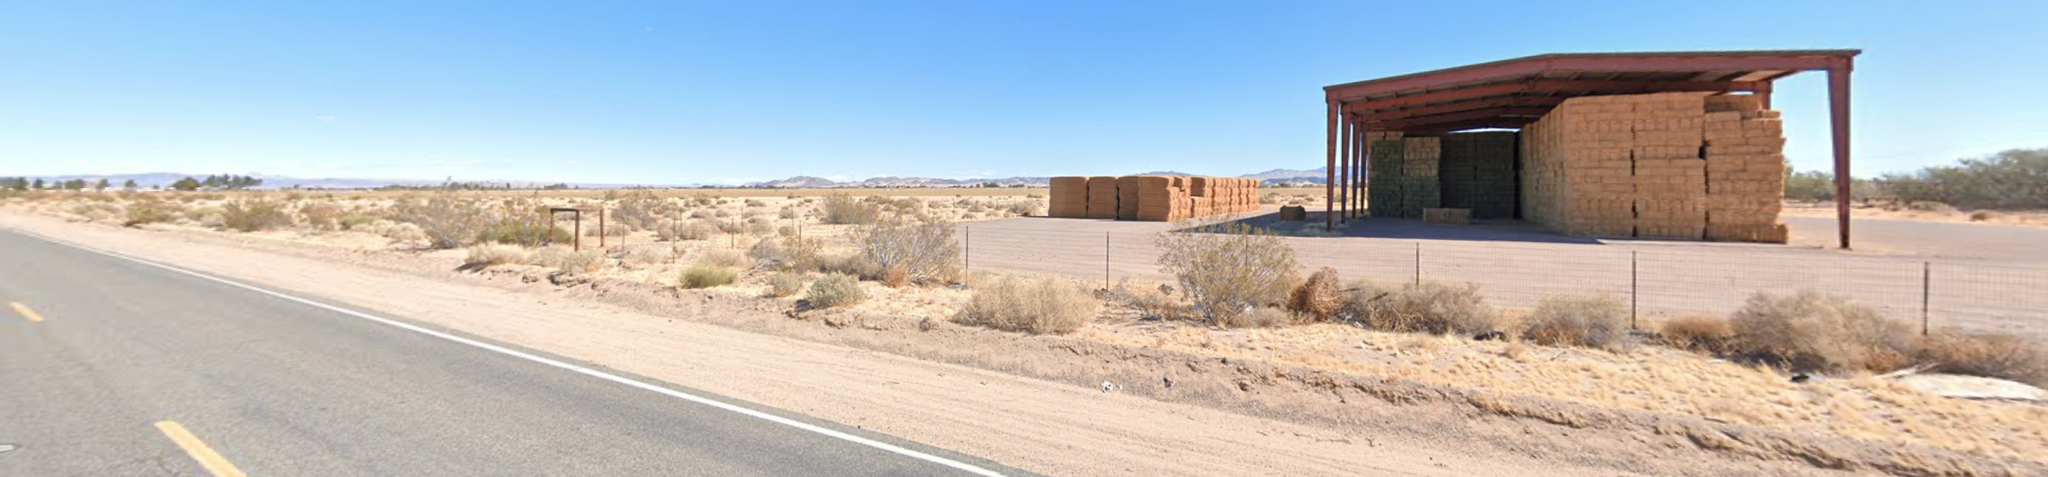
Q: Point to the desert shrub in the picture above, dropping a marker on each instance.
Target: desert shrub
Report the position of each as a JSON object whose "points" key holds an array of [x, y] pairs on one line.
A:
{"points": [[1036, 305], [1317, 298], [723, 258], [254, 215], [1589, 321], [921, 251], [566, 260], [768, 252], [150, 212], [481, 256], [319, 216], [760, 229], [447, 222], [1991, 355], [730, 227], [785, 284], [1025, 209], [847, 263], [641, 210], [1228, 268], [684, 230], [522, 231], [1428, 307], [785, 231], [1810, 331], [1709, 333], [353, 220], [836, 290], [842, 209], [98, 211], [2015, 179], [707, 275], [703, 214], [755, 203], [1981, 215], [786, 213]]}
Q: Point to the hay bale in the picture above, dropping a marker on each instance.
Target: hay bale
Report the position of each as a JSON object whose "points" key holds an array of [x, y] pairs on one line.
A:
{"points": [[1069, 197], [1101, 197]]}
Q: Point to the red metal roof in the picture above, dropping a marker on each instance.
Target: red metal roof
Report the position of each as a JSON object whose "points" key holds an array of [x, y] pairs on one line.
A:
{"points": [[1514, 92]]}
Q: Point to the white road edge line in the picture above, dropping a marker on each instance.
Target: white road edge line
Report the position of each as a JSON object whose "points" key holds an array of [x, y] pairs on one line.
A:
{"points": [[963, 466]]}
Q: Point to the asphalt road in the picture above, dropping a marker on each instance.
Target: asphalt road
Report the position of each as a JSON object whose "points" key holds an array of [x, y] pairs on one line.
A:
{"points": [[114, 367]]}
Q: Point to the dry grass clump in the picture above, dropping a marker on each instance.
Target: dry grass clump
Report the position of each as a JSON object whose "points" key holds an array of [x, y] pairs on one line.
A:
{"points": [[1319, 297], [490, 255], [254, 215], [1984, 354], [1708, 333], [684, 230], [523, 232], [150, 212], [1036, 305], [1152, 302], [566, 260], [1588, 321], [836, 290], [1810, 331], [723, 258], [1428, 307], [707, 276], [785, 284], [1228, 269]]}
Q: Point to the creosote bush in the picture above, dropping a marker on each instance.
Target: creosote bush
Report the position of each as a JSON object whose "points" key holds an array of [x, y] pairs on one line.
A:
{"points": [[723, 258], [1428, 307], [254, 215], [913, 250], [1810, 331], [523, 232], [566, 260], [1228, 269], [1585, 321], [447, 222], [707, 276], [844, 209], [150, 212], [1036, 305], [836, 290], [684, 230]]}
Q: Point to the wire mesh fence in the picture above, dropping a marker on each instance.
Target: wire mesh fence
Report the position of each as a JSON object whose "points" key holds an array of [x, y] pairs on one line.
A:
{"points": [[1657, 280]]}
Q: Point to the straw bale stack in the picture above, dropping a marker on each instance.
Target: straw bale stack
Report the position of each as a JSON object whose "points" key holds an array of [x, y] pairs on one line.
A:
{"points": [[1069, 197], [1102, 197]]}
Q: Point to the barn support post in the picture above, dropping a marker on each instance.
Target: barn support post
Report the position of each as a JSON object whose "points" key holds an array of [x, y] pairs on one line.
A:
{"points": [[1350, 143], [1838, 115], [1330, 167]]}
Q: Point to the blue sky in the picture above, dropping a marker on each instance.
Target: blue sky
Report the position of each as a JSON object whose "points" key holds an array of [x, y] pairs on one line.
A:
{"points": [[680, 92]]}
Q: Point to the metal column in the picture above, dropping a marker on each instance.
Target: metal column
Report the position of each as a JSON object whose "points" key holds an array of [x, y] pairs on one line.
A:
{"points": [[1838, 114]]}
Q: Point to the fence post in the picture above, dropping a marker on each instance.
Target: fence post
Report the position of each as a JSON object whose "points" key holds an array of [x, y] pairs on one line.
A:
{"points": [[967, 250], [1418, 263], [1633, 299], [1926, 287]]}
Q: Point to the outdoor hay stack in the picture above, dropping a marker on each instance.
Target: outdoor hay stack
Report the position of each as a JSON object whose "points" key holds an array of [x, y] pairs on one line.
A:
{"points": [[1151, 198], [1069, 197], [1102, 197], [1127, 198], [1383, 176]]}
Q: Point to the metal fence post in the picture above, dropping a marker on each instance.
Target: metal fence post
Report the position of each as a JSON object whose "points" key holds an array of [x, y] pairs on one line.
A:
{"points": [[967, 249], [1633, 297], [1418, 263], [1926, 288]]}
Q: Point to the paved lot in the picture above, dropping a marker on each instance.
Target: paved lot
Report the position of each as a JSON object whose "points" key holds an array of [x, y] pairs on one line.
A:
{"points": [[1994, 281]]}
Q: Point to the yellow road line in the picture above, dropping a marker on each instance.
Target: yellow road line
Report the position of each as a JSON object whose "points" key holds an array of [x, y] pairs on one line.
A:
{"points": [[212, 461], [26, 313]]}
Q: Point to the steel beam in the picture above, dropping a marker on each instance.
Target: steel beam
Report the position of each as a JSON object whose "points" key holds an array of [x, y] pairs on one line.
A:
{"points": [[1344, 170], [1838, 118], [1537, 65], [1330, 163]]}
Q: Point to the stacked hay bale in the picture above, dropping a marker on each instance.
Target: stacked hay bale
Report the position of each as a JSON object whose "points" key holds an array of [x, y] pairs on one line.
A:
{"points": [[1383, 176], [1631, 166], [1127, 199], [1477, 172], [1578, 171], [1745, 170], [1420, 187], [1670, 176], [1069, 197], [1102, 197], [1151, 198]]}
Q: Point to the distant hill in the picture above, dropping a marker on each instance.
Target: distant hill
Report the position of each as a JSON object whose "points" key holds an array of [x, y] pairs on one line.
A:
{"points": [[164, 179], [1313, 176]]}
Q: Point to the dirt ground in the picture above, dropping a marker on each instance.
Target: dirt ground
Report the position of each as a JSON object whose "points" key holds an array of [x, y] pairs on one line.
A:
{"points": [[1509, 402]]}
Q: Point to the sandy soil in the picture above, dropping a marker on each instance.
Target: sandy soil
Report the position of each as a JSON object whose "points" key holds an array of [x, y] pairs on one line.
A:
{"points": [[2030, 218]]}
